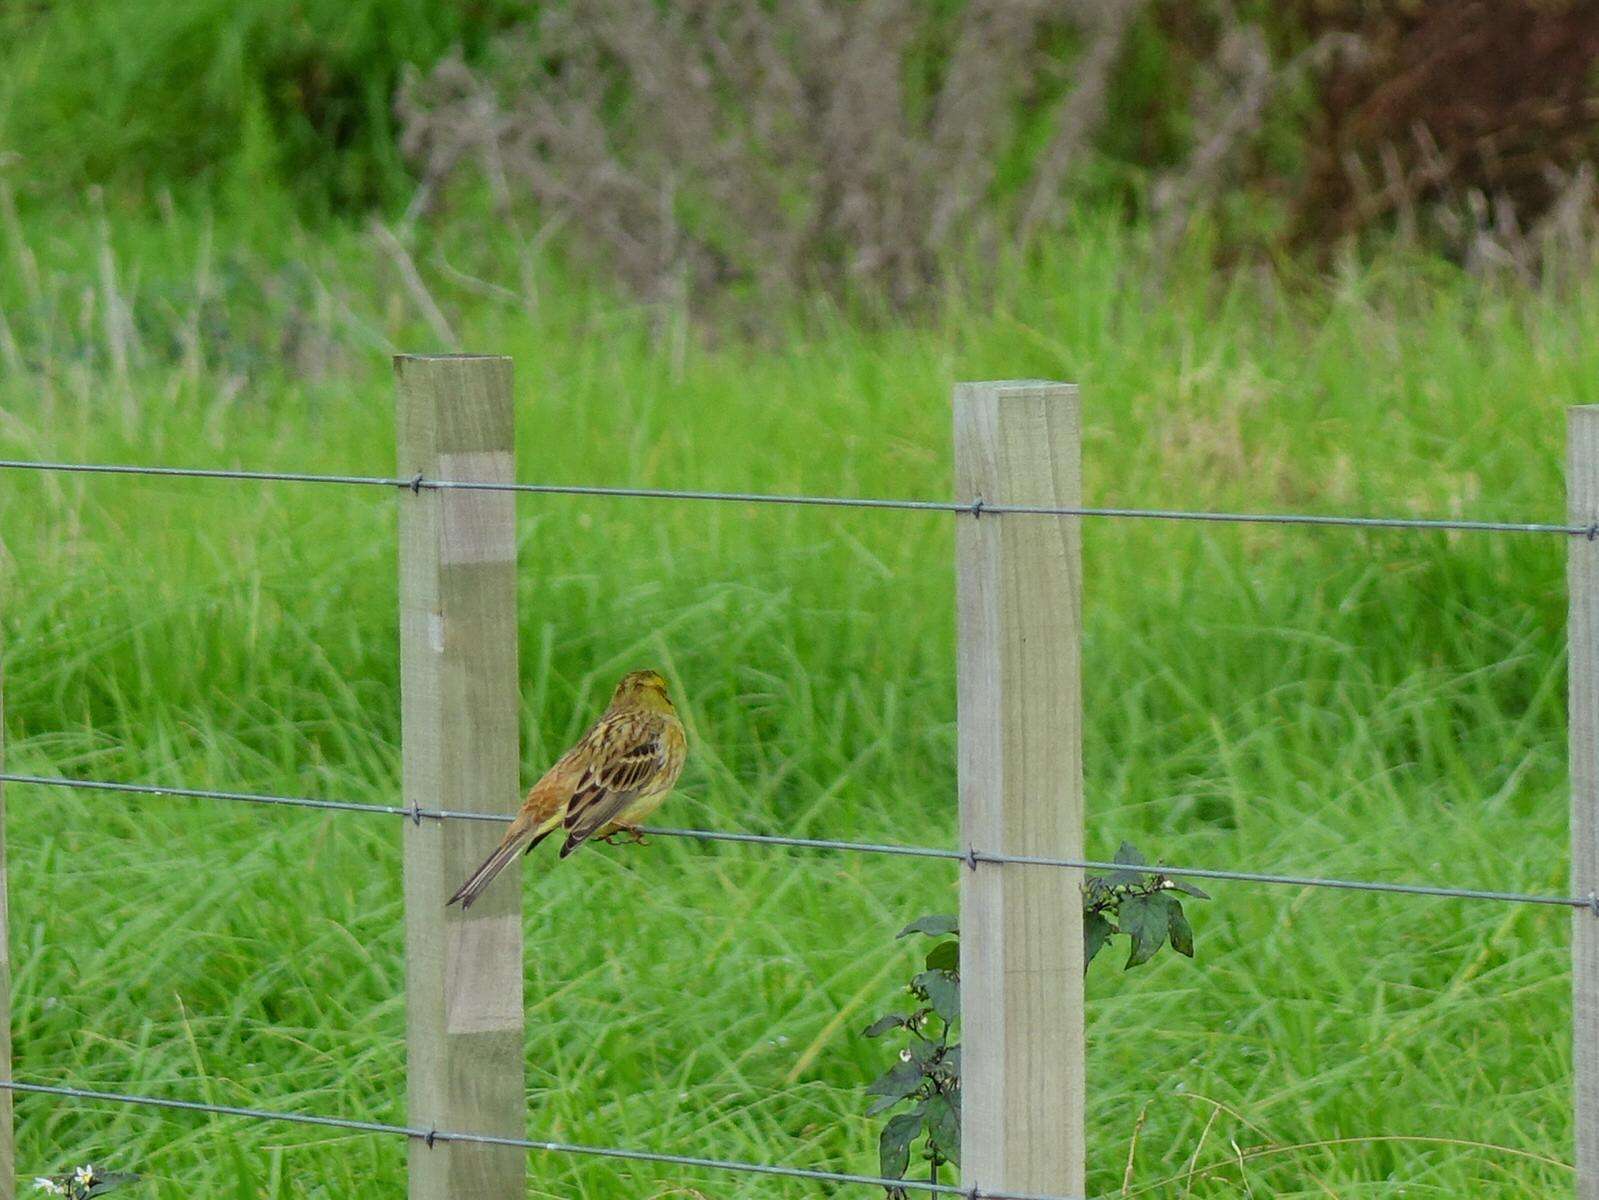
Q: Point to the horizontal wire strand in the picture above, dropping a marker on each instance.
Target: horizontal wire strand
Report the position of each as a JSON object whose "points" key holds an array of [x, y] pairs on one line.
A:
{"points": [[971, 857], [150, 789], [13, 464], [976, 508], [488, 1139]]}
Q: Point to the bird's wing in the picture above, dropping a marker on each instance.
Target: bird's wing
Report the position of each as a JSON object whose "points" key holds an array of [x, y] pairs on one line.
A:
{"points": [[630, 755]]}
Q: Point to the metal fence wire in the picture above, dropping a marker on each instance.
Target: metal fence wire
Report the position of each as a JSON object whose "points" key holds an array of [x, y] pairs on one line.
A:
{"points": [[976, 507], [432, 1136], [972, 857]]}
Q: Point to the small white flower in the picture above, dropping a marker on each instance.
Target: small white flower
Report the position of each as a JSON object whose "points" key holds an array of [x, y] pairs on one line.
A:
{"points": [[904, 1056], [85, 1175], [50, 1186]]}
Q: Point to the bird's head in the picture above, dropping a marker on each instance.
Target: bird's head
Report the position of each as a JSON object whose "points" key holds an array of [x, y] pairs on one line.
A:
{"points": [[646, 689]]}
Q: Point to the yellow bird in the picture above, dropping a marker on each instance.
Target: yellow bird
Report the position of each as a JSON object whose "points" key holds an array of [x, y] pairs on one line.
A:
{"points": [[613, 778]]}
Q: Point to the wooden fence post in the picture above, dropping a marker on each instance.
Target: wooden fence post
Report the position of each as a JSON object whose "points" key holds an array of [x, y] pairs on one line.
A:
{"points": [[1582, 579], [1019, 589], [459, 725], [8, 1144]]}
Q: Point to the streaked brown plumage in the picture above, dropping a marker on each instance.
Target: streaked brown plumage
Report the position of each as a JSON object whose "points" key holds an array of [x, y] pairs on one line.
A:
{"points": [[614, 777]]}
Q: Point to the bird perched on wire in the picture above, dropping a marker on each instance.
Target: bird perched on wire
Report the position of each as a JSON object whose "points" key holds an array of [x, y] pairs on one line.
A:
{"points": [[613, 778]]}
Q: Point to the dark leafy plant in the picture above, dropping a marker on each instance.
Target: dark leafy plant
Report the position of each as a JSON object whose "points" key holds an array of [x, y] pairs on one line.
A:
{"points": [[83, 1182], [1141, 902], [1137, 900], [927, 1076]]}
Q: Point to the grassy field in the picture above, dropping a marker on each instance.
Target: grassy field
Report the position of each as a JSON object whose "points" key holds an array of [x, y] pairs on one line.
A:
{"points": [[1384, 705]]}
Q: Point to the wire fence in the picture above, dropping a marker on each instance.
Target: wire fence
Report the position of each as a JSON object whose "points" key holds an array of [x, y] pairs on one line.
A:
{"points": [[976, 507], [972, 856], [432, 1136]]}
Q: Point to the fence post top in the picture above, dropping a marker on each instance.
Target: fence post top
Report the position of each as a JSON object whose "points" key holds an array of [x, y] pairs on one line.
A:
{"points": [[445, 358], [1015, 385], [1000, 395]]}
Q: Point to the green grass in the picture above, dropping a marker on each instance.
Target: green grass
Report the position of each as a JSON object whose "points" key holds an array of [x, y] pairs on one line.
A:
{"points": [[1383, 705], [233, 95]]}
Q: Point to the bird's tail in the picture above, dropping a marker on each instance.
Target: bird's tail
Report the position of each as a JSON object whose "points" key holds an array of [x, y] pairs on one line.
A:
{"points": [[515, 840]]}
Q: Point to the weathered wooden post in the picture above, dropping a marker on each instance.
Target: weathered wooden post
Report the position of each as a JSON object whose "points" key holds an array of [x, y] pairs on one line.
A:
{"points": [[8, 1144], [1582, 573], [1019, 591], [459, 725]]}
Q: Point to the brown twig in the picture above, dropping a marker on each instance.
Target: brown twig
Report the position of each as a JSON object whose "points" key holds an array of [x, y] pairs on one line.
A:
{"points": [[405, 266]]}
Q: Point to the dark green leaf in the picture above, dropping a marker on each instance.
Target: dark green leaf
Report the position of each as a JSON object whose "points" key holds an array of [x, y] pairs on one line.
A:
{"points": [[883, 1024], [1145, 919], [1096, 932], [1130, 854], [894, 1146], [943, 992], [933, 925], [1182, 934], [946, 956], [901, 1080], [943, 1126], [104, 1181], [1189, 889]]}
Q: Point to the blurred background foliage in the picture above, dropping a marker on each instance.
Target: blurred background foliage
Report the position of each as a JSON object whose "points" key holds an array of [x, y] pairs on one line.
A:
{"points": [[872, 144], [208, 93]]}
